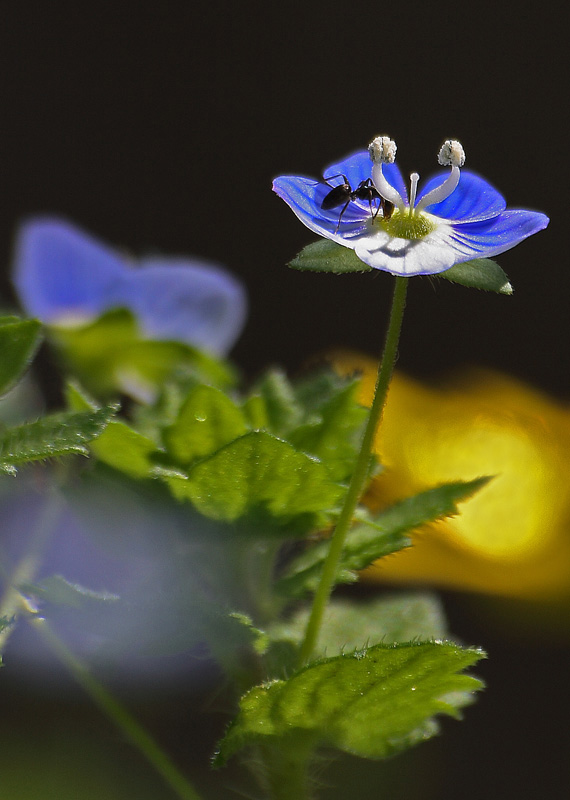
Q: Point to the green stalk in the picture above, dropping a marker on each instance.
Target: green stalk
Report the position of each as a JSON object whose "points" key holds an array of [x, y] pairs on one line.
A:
{"points": [[285, 767], [119, 715], [361, 470]]}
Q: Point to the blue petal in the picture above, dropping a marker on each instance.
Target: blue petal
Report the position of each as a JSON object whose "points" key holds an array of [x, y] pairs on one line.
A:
{"points": [[494, 236], [474, 199], [187, 301], [62, 273], [304, 196]]}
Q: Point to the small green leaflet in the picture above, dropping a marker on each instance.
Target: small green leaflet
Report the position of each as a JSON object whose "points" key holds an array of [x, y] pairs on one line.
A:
{"points": [[372, 703], [19, 340], [481, 273], [51, 436]]}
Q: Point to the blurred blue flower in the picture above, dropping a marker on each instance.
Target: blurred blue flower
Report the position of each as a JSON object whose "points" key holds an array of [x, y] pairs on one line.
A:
{"points": [[363, 204], [63, 276]]}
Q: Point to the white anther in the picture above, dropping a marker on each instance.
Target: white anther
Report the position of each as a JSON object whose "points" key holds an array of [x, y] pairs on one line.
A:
{"points": [[382, 150], [451, 154]]}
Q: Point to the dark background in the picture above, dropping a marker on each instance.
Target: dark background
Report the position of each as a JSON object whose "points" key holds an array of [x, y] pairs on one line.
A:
{"points": [[159, 127]]}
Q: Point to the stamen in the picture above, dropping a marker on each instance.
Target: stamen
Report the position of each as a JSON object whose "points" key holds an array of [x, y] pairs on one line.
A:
{"points": [[414, 178], [451, 155], [383, 151]]}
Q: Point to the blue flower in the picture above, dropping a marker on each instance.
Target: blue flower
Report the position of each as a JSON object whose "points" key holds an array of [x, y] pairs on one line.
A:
{"points": [[363, 204], [65, 277]]}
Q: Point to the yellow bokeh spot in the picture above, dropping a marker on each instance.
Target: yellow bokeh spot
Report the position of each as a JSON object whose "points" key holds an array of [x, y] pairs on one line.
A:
{"points": [[513, 536]]}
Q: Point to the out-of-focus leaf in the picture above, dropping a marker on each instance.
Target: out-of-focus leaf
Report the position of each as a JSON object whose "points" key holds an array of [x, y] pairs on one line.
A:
{"points": [[119, 445], [335, 438], [272, 404], [19, 340], [111, 355], [351, 625], [208, 419], [56, 590]]}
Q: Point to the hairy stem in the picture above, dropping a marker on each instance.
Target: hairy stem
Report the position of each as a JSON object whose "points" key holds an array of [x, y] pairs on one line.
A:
{"points": [[361, 470]]}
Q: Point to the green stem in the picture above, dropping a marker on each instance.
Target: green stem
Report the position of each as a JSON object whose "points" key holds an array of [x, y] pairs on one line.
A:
{"points": [[119, 715], [361, 471], [285, 767]]}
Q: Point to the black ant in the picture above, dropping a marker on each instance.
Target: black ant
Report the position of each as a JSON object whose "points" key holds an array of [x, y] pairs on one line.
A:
{"points": [[344, 193]]}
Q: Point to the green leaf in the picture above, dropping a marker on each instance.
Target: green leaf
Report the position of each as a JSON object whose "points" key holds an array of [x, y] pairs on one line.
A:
{"points": [[56, 590], [365, 542], [335, 438], [350, 625], [207, 420], [370, 539], [119, 446], [111, 355], [327, 256], [258, 477], [317, 391], [258, 639], [372, 703], [481, 273], [19, 340], [51, 436], [272, 404]]}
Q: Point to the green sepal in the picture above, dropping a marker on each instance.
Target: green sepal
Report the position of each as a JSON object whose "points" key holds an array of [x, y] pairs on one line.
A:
{"points": [[327, 256], [372, 703], [58, 591], [481, 273], [19, 340], [370, 539], [111, 354], [261, 480], [207, 420], [52, 436]]}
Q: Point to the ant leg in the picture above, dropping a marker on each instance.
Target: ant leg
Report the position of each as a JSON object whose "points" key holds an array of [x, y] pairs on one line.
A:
{"points": [[345, 206], [338, 175]]}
